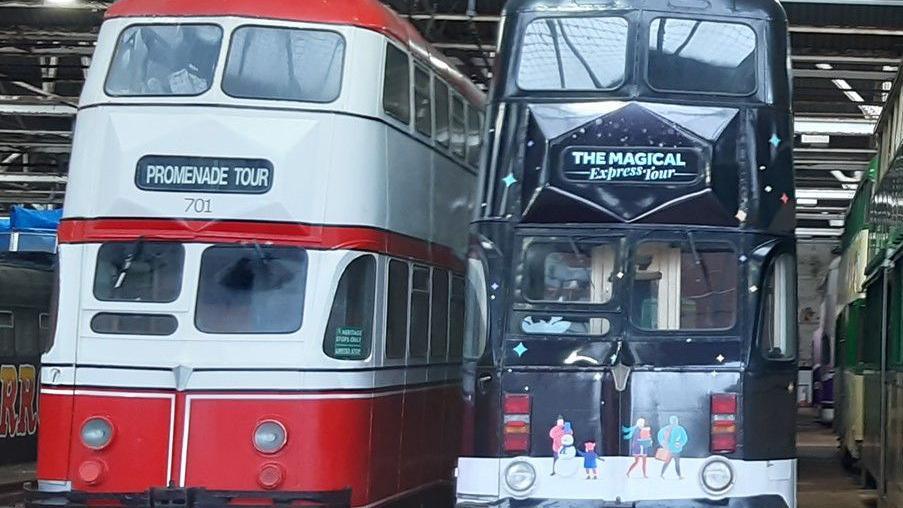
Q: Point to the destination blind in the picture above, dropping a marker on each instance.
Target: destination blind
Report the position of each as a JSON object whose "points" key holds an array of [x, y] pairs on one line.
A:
{"points": [[631, 165], [204, 174]]}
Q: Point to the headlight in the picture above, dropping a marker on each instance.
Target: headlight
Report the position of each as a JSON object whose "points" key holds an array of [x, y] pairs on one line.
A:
{"points": [[97, 433], [520, 476], [269, 437], [717, 476]]}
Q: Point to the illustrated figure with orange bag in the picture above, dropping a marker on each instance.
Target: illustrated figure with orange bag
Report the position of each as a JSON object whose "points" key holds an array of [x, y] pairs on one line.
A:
{"points": [[640, 438], [672, 439]]}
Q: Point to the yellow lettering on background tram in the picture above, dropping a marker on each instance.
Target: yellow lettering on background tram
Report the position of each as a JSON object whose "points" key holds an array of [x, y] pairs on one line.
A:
{"points": [[18, 408]]}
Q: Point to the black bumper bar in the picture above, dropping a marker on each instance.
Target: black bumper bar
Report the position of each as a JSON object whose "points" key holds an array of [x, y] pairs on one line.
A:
{"points": [[185, 498]]}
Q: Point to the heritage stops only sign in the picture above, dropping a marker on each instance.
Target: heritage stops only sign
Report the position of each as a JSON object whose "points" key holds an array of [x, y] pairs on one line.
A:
{"points": [[631, 165], [204, 174]]}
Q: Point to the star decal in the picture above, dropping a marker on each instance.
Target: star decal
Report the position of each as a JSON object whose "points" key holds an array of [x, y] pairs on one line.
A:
{"points": [[495, 286], [785, 198], [720, 358], [520, 349], [768, 188], [509, 180], [775, 140]]}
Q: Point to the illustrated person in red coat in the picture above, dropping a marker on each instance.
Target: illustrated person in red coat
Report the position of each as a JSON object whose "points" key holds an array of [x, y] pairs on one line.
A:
{"points": [[556, 433]]}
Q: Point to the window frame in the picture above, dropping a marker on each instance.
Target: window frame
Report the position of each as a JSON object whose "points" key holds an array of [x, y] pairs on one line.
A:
{"points": [[419, 67], [388, 298], [462, 155], [228, 54], [226, 246], [631, 277], [436, 274], [169, 317], [390, 45], [223, 37], [427, 293], [12, 320], [371, 260], [612, 241], [437, 81], [470, 111], [629, 56], [647, 31], [180, 276], [782, 288]]}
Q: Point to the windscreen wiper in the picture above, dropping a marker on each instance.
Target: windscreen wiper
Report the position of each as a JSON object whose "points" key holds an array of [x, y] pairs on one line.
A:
{"points": [[700, 262], [137, 251]]}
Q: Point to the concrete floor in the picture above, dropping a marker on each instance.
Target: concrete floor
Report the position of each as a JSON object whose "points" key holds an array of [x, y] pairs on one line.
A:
{"points": [[823, 483]]}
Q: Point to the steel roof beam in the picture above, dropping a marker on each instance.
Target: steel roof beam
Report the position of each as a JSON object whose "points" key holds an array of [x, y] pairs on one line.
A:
{"points": [[7, 108], [834, 126], [31, 178]]}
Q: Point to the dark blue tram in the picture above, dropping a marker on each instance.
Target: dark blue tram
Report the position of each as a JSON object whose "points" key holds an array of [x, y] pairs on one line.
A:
{"points": [[27, 259], [632, 272]]}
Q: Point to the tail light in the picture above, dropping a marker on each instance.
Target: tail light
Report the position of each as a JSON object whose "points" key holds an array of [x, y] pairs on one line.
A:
{"points": [[516, 409], [724, 423]]}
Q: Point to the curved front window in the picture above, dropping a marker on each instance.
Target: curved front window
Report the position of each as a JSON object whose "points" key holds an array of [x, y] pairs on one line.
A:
{"points": [[284, 64], [585, 53], [683, 57], [164, 60]]}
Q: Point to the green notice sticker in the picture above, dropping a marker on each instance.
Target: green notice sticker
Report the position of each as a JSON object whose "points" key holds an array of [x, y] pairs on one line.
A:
{"points": [[349, 343]]}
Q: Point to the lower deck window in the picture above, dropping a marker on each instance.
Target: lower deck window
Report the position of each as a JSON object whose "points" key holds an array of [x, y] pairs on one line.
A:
{"points": [[684, 285], [134, 324], [251, 289], [349, 331]]}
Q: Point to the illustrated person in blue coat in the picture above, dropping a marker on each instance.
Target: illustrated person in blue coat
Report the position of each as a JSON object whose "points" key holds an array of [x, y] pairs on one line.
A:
{"points": [[673, 438], [590, 460]]}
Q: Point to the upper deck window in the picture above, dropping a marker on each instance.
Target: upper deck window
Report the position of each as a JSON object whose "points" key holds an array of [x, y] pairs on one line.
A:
{"points": [[251, 289], [284, 64], [687, 55], [587, 53], [164, 60]]}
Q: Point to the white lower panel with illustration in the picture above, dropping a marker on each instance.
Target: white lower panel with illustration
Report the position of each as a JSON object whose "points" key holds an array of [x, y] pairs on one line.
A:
{"points": [[490, 479]]}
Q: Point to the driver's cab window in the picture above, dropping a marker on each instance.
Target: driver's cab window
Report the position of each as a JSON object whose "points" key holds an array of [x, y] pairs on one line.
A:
{"points": [[777, 339], [684, 285]]}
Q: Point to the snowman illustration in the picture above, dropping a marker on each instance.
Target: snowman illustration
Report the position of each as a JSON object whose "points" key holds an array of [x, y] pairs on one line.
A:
{"points": [[567, 464]]}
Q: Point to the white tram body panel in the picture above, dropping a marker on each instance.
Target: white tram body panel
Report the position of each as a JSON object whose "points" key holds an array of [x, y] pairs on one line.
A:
{"points": [[346, 162], [349, 181]]}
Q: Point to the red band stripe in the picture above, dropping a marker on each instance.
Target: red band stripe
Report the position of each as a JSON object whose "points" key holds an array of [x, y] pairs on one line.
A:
{"points": [[322, 237]]}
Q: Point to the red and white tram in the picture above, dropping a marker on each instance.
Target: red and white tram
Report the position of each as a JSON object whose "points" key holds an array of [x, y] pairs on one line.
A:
{"points": [[261, 265]]}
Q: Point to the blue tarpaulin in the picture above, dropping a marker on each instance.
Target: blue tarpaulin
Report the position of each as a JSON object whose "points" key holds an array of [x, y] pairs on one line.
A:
{"points": [[28, 230], [25, 219]]}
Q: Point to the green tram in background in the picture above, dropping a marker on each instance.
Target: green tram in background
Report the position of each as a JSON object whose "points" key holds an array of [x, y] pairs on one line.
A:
{"points": [[881, 349], [849, 356]]}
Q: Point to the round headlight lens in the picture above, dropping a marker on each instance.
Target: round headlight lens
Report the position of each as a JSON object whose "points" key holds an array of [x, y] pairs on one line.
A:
{"points": [[717, 477], [520, 476], [269, 437], [97, 433]]}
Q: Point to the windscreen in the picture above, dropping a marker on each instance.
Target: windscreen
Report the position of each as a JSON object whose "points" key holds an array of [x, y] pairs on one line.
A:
{"points": [[689, 55], [251, 289], [684, 285], [574, 53], [164, 60], [284, 64]]}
